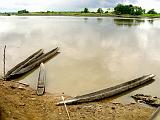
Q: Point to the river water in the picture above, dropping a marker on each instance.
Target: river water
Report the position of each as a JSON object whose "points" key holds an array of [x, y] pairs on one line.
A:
{"points": [[96, 53]]}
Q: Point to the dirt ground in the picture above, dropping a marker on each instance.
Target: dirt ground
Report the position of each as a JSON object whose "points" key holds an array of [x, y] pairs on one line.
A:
{"points": [[20, 102]]}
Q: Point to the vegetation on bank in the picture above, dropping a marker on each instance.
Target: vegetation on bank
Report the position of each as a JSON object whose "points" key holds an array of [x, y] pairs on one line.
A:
{"points": [[119, 11], [128, 9]]}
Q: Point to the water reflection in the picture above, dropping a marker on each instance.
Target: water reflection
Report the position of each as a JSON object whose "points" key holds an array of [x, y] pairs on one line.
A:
{"points": [[85, 19], [151, 21], [93, 56], [128, 22], [99, 20]]}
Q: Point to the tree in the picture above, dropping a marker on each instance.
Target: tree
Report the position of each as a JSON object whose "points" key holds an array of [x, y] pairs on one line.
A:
{"points": [[23, 11], [106, 12], [100, 10], [152, 11], [128, 9], [86, 10], [138, 10], [119, 9]]}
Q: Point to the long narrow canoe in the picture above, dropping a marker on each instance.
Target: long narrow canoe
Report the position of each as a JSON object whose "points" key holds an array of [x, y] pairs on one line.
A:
{"points": [[38, 61], [109, 91], [27, 60], [34, 61], [41, 80]]}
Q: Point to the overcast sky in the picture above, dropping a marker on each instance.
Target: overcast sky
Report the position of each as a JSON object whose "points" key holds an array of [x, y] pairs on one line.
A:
{"points": [[71, 5]]}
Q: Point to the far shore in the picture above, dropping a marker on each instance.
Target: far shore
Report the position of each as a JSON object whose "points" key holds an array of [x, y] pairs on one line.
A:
{"points": [[79, 14]]}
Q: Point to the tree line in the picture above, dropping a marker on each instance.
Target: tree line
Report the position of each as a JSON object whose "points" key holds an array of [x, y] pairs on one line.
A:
{"points": [[119, 9], [131, 10], [125, 9]]}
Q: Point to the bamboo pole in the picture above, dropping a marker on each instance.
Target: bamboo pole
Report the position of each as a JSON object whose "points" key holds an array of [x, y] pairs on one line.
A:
{"points": [[66, 108], [4, 61]]}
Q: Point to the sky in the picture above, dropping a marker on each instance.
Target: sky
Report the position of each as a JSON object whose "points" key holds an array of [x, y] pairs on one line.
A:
{"points": [[71, 5]]}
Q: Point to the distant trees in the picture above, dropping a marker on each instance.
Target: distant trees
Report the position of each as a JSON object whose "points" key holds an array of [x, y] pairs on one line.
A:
{"points": [[152, 11], [86, 10], [100, 10], [106, 12], [128, 9], [23, 11]]}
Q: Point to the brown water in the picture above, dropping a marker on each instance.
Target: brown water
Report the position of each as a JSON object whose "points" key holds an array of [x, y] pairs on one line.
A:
{"points": [[95, 52]]}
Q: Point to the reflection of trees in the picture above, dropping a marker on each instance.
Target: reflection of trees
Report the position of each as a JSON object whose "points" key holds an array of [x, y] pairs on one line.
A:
{"points": [[99, 20], [128, 22], [151, 21], [85, 19]]}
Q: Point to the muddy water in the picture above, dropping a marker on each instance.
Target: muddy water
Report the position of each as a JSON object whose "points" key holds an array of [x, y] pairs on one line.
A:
{"points": [[95, 52]]}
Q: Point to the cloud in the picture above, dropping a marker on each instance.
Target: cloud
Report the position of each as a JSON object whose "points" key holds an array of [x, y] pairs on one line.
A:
{"points": [[149, 4], [70, 5], [34, 5]]}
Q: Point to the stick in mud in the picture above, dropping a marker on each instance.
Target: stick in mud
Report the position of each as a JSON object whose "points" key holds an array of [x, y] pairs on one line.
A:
{"points": [[155, 114], [4, 60], [66, 108]]}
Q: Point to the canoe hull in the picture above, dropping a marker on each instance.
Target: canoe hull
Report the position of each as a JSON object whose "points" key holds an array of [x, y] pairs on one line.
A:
{"points": [[109, 91]]}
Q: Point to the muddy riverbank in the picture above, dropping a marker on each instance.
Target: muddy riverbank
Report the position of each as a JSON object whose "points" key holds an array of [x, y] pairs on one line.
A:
{"points": [[20, 102]]}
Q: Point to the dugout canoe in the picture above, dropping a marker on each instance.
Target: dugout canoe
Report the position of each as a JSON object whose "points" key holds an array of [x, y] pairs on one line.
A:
{"points": [[38, 61], [27, 60], [109, 91], [28, 66], [41, 81]]}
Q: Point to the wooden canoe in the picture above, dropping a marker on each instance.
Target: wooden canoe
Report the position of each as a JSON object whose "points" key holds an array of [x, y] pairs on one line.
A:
{"points": [[38, 61], [109, 91], [41, 80], [30, 63], [27, 60]]}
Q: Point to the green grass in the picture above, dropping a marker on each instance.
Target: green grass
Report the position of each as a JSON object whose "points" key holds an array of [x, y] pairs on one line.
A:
{"points": [[151, 15], [62, 14], [92, 14]]}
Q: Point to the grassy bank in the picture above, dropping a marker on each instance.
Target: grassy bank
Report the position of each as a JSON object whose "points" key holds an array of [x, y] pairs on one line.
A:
{"points": [[65, 14], [91, 14]]}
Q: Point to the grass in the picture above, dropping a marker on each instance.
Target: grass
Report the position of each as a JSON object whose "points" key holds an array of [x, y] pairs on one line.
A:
{"points": [[91, 14], [152, 15], [63, 14]]}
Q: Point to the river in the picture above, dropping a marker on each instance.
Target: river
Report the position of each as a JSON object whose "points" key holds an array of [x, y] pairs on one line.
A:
{"points": [[96, 53]]}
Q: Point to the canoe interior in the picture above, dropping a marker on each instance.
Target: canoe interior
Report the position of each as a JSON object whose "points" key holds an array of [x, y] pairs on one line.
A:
{"points": [[112, 88]]}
